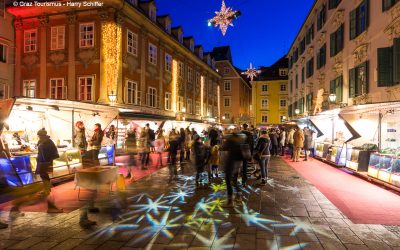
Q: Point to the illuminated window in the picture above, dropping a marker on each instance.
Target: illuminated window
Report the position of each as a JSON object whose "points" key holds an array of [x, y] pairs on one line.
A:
{"points": [[226, 70], [86, 35], [282, 102], [132, 93], [227, 115], [283, 87], [57, 88], [86, 88], [197, 86], [57, 37], [29, 88], [152, 97], [180, 103], [152, 54], [132, 43], [264, 88], [190, 75], [189, 108], [167, 103], [198, 108], [227, 85], [30, 41], [264, 118], [3, 53], [227, 101], [180, 69], [264, 103], [168, 62]]}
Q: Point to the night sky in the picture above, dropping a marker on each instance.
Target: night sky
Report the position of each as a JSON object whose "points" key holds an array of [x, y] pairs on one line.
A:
{"points": [[262, 35]]}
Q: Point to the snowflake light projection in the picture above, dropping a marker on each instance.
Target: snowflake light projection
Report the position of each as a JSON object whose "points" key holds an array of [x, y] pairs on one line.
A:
{"points": [[224, 18], [276, 245], [293, 189], [179, 196], [299, 225], [250, 217], [216, 242], [251, 72], [153, 206]]}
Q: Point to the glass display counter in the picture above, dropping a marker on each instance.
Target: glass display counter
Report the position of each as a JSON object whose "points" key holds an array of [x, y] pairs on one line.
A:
{"points": [[322, 149], [106, 155], [358, 160], [385, 168]]}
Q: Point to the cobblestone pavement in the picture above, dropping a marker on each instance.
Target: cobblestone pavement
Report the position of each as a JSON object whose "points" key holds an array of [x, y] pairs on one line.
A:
{"points": [[288, 213]]}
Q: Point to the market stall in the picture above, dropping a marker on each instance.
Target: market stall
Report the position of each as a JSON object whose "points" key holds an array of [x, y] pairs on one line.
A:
{"points": [[58, 117]]}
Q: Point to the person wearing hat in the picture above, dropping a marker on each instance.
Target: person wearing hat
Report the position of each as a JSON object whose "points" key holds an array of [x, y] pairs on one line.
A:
{"points": [[47, 152]]}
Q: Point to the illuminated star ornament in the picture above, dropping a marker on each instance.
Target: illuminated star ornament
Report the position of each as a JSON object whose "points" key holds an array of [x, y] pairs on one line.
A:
{"points": [[251, 72], [224, 18]]}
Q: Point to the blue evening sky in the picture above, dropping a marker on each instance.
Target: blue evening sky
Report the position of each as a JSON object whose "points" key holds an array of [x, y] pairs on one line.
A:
{"points": [[262, 35]]}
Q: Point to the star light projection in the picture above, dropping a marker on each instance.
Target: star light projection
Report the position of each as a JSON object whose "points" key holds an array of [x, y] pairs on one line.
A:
{"points": [[224, 18], [251, 72]]}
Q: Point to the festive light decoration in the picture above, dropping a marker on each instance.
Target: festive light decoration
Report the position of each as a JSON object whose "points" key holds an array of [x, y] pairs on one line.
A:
{"points": [[299, 225], [250, 217], [251, 72], [179, 196], [112, 42], [174, 85], [224, 18], [153, 205]]}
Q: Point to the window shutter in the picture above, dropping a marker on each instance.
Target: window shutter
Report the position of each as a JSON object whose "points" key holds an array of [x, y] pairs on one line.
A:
{"points": [[366, 14], [396, 60], [319, 60], [385, 67], [339, 89], [332, 87], [386, 5], [340, 39], [353, 24], [366, 87], [352, 82], [333, 44]]}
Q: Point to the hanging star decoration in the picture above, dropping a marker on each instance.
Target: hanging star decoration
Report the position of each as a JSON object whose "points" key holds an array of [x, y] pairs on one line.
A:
{"points": [[224, 18], [251, 72]]}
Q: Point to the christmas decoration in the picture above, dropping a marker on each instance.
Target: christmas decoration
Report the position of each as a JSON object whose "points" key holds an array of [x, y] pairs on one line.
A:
{"points": [[224, 18], [251, 72]]}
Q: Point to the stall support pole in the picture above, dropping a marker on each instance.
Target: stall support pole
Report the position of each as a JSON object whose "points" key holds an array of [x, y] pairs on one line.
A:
{"points": [[72, 127], [333, 130], [380, 131]]}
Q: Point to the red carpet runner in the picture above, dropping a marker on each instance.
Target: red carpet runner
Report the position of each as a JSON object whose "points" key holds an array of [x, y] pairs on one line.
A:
{"points": [[361, 201]]}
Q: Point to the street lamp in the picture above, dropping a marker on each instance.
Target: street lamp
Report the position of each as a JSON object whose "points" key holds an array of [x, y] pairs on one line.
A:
{"points": [[297, 111], [223, 117], [112, 97], [332, 98], [184, 110]]}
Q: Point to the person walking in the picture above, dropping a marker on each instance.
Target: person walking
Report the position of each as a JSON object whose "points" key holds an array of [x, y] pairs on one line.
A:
{"points": [[188, 143], [307, 141], [298, 143], [182, 141], [151, 137], [274, 142], [250, 143], [262, 155], [159, 145], [173, 151], [144, 148], [200, 160], [290, 142], [282, 140]]}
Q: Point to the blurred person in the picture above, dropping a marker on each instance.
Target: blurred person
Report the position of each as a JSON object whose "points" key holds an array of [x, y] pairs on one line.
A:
{"points": [[80, 137], [274, 142], [131, 149], [95, 142], [232, 162], [214, 160], [3, 225], [282, 139], [199, 153], [290, 142], [144, 148], [307, 141], [298, 143], [250, 143], [182, 140], [262, 155], [111, 133], [151, 137], [173, 151], [47, 152], [213, 135], [188, 143], [159, 146]]}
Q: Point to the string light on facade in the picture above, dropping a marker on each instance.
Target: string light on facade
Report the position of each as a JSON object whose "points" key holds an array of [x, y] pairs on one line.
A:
{"points": [[251, 72], [224, 18]]}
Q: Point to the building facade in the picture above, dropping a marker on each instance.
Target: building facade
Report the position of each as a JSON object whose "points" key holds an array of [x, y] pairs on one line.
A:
{"points": [[349, 50], [235, 90], [120, 53], [270, 94], [7, 48]]}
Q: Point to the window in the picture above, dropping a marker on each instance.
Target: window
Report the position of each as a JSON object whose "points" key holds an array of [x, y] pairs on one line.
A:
{"points": [[4, 91], [264, 118], [132, 93], [227, 85], [152, 13], [282, 103], [283, 87], [389, 65], [283, 72], [152, 54], [86, 35], [198, 108], [226, 70], [359, 19], [29, 88], [30, 41], [387, 4], [227, 101], [282, 118], [302, 46], [333, 4], [3, 53], [167, 101], [303, 75], [296, 55], [168, 62], [86, 88], [57, 88], [264, 88], [264, 103], [180, 37], [291, 86], [321, 18], [190, 75], [197, 85], [310, 68], [337, 41], [180, 103], [201, 54], [359, 80], [336, 87], [227, 116], [321, 57], [191, 46], [310, 34], [152, 98], [57, 37], [132, 43], [189, 108], [309, 102], [180, 69], [168, 26], [297, 81], [301, 105]]}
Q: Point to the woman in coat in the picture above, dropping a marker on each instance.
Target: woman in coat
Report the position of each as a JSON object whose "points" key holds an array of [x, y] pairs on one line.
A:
{"points": [[262, 150], [298, 143], [80, 137]]}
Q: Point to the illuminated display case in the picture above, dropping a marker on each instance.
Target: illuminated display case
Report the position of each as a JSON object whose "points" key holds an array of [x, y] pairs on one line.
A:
{"points": [[385, 168], [338, 154], [358, 160], [106, 155], [322, 149]]}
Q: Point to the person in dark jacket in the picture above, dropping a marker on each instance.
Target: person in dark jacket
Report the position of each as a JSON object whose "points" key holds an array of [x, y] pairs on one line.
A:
{"points": [[213, 135], [182, 139], [173, 140], [307, 141], [199, 152], [274, 142], [249, 141], [95, 141], [47, 152], [262, 150], [232, 163], [80, 137]]}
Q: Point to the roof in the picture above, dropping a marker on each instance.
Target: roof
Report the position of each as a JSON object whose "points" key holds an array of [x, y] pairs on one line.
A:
{"points": [[272, 72], [222, 53]]}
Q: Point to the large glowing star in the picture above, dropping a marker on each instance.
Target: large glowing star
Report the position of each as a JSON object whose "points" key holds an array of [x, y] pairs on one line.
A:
{"points": [[276, 245], [299, 225], [179, 196], [224, 18], [251, 72], [250, 217], [152, 205], [216, 242], [202, 206]]}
